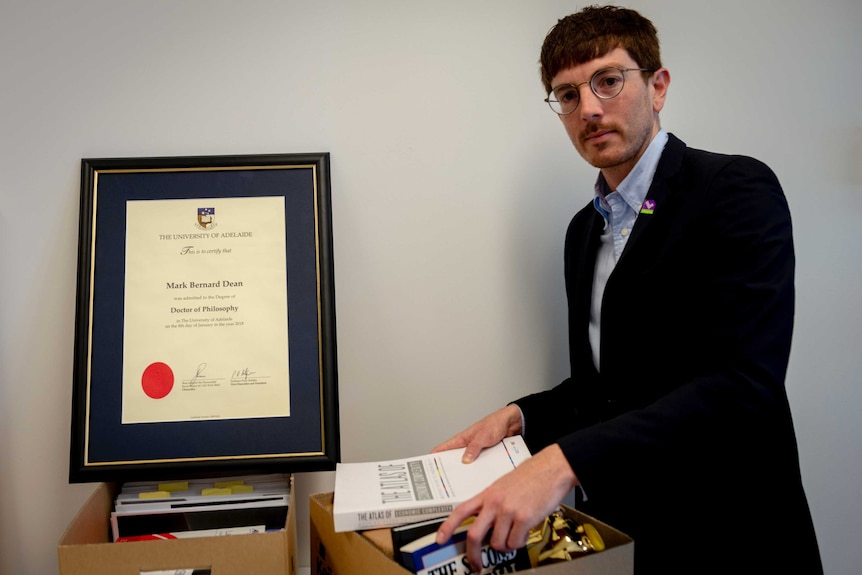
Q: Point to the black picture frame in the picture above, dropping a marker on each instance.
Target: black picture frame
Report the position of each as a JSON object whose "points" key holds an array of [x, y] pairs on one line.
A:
{"points": [[103, 448]]}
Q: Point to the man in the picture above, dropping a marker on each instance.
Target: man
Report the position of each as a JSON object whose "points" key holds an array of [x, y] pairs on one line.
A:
{"points": [[674, 425]]}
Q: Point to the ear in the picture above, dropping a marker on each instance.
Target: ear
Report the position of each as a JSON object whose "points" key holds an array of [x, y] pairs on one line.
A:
{"points": [[660, 81]]}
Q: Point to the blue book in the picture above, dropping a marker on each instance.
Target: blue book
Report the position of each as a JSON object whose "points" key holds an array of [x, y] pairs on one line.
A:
{"points": [[425, 551], [404, 534]]}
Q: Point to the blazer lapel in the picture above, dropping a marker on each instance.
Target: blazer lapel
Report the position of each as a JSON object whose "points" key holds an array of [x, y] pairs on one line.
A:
{"points": [[659, 192]]}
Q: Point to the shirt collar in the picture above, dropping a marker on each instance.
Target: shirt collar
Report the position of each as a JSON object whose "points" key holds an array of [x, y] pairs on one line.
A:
{"points": [[633, 189]]}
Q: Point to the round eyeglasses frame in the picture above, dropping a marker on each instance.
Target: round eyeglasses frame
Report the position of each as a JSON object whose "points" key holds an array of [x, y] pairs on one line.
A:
{"points": [[605, 94]]}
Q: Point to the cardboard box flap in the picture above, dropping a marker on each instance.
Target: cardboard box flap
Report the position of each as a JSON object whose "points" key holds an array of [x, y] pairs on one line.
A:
{"points": [[353, 548], [89, 524]]}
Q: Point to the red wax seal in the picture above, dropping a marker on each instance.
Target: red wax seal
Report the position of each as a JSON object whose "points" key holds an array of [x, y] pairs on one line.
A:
{"points": [[158, 380]]}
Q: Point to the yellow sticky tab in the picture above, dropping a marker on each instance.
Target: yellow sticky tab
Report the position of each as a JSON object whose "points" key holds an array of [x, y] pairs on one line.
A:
{"points": [[242, 488], [229, 483], [216, 491], [175, 486], [154, 495]]}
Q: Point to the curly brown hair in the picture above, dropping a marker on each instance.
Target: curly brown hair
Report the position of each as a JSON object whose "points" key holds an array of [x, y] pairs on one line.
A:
{"points": [[593, 32]]}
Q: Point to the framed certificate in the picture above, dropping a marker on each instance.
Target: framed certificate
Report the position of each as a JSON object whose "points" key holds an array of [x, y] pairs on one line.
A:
{"points": [[205, 327]]}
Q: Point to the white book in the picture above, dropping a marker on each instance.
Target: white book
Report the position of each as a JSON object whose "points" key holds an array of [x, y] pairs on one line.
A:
{"points": [[389, 493]]}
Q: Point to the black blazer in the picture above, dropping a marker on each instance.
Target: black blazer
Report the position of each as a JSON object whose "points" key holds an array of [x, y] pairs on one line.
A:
{"points": [[684, 440]]}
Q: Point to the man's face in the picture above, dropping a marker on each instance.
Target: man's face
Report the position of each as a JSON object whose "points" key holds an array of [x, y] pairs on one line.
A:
{"points": [[613, 134]]}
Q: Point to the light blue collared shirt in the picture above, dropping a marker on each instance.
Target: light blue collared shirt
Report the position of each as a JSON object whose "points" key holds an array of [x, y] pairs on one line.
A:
{"points": [[620, 209]]}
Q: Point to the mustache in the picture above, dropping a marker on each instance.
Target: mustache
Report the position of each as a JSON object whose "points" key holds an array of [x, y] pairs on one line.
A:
{"points": [[593, 129]]}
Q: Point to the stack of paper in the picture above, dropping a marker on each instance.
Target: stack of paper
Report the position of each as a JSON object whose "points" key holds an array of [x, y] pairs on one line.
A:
{"points": [[200, 508]]}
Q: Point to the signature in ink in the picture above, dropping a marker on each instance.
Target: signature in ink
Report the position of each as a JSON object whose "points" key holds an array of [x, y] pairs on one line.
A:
{"points": [[243, 374], [199, 372]]}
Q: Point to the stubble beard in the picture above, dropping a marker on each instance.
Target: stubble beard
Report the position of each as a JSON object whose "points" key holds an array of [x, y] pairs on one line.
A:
{"points": [[602, 155], [605, 156]]}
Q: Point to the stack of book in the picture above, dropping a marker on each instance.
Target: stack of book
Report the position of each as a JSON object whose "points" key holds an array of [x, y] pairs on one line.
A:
{"points": [[557, 539], [413, 497], [200, 508], [416, 549]]}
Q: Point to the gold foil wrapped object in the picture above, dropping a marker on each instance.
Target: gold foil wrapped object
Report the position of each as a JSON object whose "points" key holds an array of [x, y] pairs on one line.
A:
{"points": [[559, 538]]}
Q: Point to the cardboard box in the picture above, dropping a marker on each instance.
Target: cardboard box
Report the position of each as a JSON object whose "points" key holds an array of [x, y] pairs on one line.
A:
{"points": [[362, 552], [86, 547]]}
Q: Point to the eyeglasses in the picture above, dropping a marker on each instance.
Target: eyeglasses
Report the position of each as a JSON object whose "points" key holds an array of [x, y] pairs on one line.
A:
{"points": [[606, 83]]}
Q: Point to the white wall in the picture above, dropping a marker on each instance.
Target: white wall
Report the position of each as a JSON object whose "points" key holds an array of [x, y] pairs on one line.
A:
{"points": [[452, 184]]}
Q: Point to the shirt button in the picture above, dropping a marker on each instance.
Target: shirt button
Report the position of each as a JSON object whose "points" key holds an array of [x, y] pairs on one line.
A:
{"points": [[624, 232]]}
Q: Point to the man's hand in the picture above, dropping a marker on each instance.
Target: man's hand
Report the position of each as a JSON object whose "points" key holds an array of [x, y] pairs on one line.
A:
{"points": [[486, 432], [513, 504]]}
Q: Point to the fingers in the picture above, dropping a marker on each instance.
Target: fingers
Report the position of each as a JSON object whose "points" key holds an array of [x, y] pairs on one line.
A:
{"points": [[500, 534], [494, 515], [518, 532], [513, 504], [458, 515], [452, 443], [474, 439], [486, 432], [476, 537], [471, 452], [496, 525]]}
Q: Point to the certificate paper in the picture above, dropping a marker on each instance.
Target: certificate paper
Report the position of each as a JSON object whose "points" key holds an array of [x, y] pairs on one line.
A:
{"points": [[204, 318], [205, 310]]}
